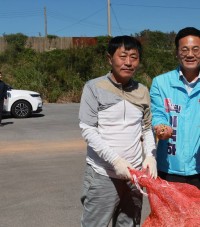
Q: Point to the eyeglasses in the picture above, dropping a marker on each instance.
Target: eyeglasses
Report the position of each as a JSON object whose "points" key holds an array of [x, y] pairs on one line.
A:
{"points": [[185, 50]]}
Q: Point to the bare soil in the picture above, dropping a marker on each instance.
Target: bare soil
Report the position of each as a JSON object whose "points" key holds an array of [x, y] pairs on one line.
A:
{"points": [[40, 146]]}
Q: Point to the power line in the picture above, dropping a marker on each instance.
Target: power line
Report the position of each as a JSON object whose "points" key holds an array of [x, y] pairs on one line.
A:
{"points": [[71, 21], [81, 20], [116, 20], [163, 7], [14, 14]]}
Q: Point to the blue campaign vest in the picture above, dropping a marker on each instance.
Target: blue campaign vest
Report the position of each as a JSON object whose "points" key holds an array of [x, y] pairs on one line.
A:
{"points": [[172, 105]]}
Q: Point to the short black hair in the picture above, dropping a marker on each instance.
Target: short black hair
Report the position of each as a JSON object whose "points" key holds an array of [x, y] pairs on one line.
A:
{"points": [[128, 42], [186, 32]]}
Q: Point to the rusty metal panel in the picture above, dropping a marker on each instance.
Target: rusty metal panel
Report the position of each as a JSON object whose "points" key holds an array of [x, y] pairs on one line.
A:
{"points": [[84, 41]]}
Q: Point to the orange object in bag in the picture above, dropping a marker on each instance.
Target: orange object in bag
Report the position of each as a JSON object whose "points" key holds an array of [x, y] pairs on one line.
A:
{"points": [[172, 204]]}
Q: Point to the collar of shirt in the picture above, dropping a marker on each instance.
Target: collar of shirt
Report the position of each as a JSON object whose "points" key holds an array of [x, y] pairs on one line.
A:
{"points": [[188, 85], [126, 87], [192, 83]]}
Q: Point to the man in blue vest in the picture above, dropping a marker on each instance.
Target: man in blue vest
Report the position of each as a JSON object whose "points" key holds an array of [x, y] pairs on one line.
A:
{"points": [[175, 101]]}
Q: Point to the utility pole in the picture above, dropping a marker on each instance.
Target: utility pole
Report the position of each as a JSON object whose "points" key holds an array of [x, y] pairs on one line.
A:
{"points": [[109, 29], [45, 21]]}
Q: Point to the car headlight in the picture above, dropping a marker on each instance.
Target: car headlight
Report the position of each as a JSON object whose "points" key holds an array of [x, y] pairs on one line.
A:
{"points": [[35, 95]]}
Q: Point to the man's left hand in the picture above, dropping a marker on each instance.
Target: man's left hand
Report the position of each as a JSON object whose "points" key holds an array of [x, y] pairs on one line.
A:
{"points": [[151, 165]]}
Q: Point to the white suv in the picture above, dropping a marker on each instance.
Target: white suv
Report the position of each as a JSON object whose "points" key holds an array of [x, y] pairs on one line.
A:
{"points": [[22, 103]]}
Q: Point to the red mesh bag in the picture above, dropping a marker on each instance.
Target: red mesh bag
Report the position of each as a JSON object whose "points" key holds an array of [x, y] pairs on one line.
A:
{"points": [[172, 204]]}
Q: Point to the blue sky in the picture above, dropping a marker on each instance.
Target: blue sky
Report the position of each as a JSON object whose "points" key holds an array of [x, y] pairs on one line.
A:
{"points": [[88, 18]]}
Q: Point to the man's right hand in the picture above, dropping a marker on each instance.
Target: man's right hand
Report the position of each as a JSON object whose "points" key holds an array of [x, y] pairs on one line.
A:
{"points": [[163, 132], [121, 168]]}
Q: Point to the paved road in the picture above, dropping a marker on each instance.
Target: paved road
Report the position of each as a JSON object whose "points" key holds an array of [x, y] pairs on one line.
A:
{"points": [[41, 168]]}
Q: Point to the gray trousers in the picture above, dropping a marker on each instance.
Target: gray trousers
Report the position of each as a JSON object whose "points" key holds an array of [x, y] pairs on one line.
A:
{"points": [[105, 199]]}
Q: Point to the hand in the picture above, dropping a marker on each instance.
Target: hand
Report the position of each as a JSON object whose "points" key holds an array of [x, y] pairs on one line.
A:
{"points": [[121, 168], [163, 132], [151, 165]]}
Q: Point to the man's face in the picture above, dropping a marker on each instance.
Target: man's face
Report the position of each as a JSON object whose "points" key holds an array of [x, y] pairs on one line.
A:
{"points": [[124, 64], [188, 53]]}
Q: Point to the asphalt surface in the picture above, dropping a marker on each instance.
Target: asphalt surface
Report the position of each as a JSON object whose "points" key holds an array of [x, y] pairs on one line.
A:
{"points": [[42, 161]]}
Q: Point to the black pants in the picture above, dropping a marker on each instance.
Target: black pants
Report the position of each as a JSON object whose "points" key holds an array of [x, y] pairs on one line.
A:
{"points": [[193, 179], [1, 109]]}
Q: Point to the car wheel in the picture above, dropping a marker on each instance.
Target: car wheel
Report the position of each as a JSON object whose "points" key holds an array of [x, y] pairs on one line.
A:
{"points": [[21, 109]]}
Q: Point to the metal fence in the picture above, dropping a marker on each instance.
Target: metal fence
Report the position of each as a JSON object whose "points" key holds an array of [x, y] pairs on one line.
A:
{"points": [[41, 44]]}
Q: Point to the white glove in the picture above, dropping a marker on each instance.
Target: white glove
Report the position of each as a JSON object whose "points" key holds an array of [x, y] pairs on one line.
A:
{"points": [[151, 165], [121, 168]]}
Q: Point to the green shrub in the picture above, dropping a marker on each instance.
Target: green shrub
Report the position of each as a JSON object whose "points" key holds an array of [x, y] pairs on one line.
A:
{"points": [[59, 75]]}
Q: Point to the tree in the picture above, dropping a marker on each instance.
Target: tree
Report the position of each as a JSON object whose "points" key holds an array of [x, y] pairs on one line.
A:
{"points": [[15, 45], [16, 41], [158, 52]]}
